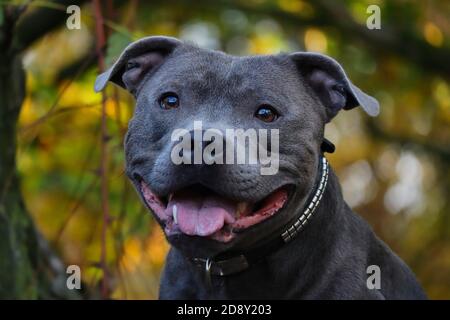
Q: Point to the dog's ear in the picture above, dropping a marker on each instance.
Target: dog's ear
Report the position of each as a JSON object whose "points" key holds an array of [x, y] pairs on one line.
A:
{"points": [[136, 60], [329, 81]]}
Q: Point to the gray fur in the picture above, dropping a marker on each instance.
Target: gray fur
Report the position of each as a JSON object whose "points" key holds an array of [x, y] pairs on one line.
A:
{"points": [[328, 260]]}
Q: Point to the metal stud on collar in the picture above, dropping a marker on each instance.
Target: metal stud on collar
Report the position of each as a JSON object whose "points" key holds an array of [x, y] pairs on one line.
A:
{"points": [[298, 224], [208, 264]]}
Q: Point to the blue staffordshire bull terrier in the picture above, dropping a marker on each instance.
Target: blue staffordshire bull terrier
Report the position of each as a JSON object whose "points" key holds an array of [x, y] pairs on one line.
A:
{"points": [[236, 233]]}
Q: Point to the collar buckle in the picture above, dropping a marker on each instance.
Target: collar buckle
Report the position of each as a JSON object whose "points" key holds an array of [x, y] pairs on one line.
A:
{"points": [[226, 267]]}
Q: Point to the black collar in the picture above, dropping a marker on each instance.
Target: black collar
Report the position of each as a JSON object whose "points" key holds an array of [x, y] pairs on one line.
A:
{"points": [[231, 263]]}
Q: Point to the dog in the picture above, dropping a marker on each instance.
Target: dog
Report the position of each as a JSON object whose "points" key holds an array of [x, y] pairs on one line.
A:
{"points": [[236, 233]]}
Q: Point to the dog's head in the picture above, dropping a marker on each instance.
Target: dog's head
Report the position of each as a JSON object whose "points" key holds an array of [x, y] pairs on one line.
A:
{"points": [[285, 100]]}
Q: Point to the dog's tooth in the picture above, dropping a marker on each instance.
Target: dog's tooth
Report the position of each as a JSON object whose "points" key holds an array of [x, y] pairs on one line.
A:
{"points": [[170, 197], [241, 208], [175, 214]]}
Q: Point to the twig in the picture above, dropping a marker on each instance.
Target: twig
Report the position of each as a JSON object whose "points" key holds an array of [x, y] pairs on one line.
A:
{"points": [[101, 41], [74, 210], [438, 150], [54, 112], [119, 241]]}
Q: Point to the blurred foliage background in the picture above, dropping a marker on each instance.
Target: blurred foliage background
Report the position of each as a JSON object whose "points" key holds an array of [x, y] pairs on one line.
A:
{"points": [[393, 168]]}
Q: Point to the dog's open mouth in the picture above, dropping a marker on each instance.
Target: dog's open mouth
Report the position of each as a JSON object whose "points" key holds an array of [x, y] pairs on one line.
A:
{"points": [[198, 211]]}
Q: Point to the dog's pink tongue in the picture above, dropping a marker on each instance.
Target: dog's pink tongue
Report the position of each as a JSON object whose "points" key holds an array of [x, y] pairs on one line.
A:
{"points": [[199, 215]]}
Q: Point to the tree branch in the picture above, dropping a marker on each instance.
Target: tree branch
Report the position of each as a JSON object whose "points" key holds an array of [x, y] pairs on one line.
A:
{"points": [[400, 40], [35, 24], [101, 42], [437, 150]]}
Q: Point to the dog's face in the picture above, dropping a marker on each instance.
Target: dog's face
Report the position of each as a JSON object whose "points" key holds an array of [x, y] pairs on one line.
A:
{"points": [[208, 208]]}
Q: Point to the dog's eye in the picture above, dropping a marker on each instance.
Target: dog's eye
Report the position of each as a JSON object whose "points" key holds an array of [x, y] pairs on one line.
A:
{"points": [[132, 65], [266, 113], [169, 101]]}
